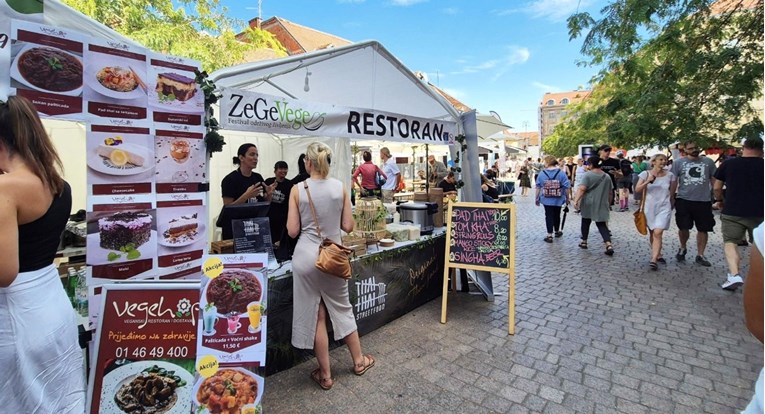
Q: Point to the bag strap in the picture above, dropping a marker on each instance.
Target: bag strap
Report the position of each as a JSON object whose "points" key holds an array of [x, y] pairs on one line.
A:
{"points": [[313, 210], [602, 178], [642, 198]]}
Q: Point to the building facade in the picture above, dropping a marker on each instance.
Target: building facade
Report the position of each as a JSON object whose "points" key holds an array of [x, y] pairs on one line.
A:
{"points": [[554, 107]]}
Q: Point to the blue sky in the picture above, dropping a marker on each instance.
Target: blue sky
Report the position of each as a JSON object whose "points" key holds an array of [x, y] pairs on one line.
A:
{"points": [[497, 56]]}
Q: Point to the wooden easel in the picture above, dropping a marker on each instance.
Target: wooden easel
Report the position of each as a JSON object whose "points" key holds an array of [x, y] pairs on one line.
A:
{"points": [[505, 264]]}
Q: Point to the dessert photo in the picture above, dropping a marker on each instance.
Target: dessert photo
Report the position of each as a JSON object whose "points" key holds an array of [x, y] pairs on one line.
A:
{"points": [[119, 154], [180, 227], [179, 160], [121, 236], [174, 90]]}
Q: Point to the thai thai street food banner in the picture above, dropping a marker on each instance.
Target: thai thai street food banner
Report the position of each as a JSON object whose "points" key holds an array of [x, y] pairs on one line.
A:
{"points": [[145, 349], [251, 111], [385, 286], [231, 333]]}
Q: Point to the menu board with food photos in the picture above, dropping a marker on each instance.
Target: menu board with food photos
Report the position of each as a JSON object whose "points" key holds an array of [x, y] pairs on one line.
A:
{"points": [[145, 349], [231, 333]]}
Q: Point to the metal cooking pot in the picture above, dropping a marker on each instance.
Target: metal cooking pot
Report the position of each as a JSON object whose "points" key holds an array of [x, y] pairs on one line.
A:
{"points": [[419, 214]]}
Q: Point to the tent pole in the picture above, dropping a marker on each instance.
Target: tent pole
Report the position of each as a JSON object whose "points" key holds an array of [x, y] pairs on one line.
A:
{"points": [[427, 171]]}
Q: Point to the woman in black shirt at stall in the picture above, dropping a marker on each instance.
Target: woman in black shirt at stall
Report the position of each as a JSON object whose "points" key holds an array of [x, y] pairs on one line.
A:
{"points": [[243, 185]]}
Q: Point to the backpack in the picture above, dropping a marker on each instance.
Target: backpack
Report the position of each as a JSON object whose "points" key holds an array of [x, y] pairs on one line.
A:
{"points": [[552, 187], [626, 167]]}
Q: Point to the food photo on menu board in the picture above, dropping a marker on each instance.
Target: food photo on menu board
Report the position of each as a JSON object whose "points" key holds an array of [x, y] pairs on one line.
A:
{"points": [[47, 67], [172, 86], [227, 389], [121, 242], [114, 80], [180, 161], [181, 229], [120, 160]]}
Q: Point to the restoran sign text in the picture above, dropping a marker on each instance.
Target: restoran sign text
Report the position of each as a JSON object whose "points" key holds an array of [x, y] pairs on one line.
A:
{"points": [[250, 111]]}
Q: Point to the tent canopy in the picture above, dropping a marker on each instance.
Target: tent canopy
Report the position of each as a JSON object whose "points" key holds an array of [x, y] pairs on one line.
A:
{"points": [[360, 75]]}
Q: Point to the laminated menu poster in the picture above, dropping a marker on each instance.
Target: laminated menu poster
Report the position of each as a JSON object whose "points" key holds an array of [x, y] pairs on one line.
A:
{"points": [[181, 159], [174, 95], [47, 68], [121, 240], [114, 85], [145, 349], [181, 236], [120, 157], [231, 333], [13, 9]]}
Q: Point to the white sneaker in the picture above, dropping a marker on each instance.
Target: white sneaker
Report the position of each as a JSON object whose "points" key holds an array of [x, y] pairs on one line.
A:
{"points": [[733, 282]]}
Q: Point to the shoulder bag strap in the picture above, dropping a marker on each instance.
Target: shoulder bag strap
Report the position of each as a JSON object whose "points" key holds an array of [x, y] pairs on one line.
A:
{"points": [[645, 191], [313, 211]]}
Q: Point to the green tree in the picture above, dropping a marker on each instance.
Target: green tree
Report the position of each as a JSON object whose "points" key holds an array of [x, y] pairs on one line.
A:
{"points": [[674, 70], [197, 29]]}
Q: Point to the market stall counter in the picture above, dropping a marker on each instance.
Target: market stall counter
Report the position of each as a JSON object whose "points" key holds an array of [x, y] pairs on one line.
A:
{"points": [[387, 282]]}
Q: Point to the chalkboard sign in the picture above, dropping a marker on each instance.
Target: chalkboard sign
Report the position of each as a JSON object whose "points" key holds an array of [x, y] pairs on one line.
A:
{"points": [[253, 236], [479, 236]]}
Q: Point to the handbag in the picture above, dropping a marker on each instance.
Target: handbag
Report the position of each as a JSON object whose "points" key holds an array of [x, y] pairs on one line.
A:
{"points": [[640, 220], [379, 179], [333, 258]]}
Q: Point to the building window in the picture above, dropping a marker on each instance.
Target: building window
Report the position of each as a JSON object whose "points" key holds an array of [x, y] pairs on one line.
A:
{"points": [[550, 102], [564, 101]]}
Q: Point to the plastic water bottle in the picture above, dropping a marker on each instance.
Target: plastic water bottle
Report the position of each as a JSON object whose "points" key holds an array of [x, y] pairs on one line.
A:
{"points": [[71, 286], [81, 293], [396, 217]]}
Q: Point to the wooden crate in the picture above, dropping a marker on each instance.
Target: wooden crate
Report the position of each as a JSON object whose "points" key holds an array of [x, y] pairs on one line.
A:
{"points": [[222, 247]]}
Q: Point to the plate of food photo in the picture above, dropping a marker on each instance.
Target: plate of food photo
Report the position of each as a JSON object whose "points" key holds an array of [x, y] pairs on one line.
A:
{"points": [[119, 158], [180, 231], [230, 390], [232, 291], [150, 387], [47, 69], [116, 81]]}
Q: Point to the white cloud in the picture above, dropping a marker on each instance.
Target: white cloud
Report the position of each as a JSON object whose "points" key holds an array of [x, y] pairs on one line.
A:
{"points": [[406, 3], [451, 11], [545, 87], [456, 93], [516, 55], [553, 10]]}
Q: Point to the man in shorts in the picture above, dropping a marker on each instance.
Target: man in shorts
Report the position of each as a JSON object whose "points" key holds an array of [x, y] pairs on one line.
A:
{"points": [[742, 205], [693, 200], [625, 183], [390, 169], [611, 166]]}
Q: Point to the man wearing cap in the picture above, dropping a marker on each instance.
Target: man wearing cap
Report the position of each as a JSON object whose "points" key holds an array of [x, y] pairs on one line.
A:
{"points": [[611, 166], [693, 203], [742, 205], [277, 214]]}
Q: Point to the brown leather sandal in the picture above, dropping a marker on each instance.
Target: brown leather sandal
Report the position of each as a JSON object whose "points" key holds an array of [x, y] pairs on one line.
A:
{"points": [[368, 362], [325, 383]]}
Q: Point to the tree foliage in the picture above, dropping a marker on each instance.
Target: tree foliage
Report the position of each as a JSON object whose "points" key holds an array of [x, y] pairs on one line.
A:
{"points": [[673, 70], [197, 29]]}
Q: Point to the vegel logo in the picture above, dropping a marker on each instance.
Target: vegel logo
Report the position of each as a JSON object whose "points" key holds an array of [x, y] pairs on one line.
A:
{"points": [[116, 45], [276, 115], [53, 32]]}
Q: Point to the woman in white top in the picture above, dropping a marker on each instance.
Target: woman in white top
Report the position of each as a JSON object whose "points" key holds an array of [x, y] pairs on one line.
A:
{"points": [[660, 183]]}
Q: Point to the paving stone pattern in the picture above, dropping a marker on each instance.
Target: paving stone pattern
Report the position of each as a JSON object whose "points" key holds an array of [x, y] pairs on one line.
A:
{"points": [[594, 334]]}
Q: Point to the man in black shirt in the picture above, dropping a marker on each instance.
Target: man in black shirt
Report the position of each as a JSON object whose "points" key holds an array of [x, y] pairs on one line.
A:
{"points": [[448, 184], [741, 205], [277, 214], [610, 166]]}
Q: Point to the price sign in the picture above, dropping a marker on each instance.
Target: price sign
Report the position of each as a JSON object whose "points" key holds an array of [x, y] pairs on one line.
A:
{"points": [[145, 330]]}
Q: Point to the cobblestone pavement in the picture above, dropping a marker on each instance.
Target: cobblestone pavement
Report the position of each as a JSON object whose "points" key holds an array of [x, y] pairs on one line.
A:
{"points": [[594, 334]]}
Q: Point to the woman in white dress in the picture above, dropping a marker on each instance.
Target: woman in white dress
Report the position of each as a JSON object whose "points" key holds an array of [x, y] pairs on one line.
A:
{"points": [[658, 203]]}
